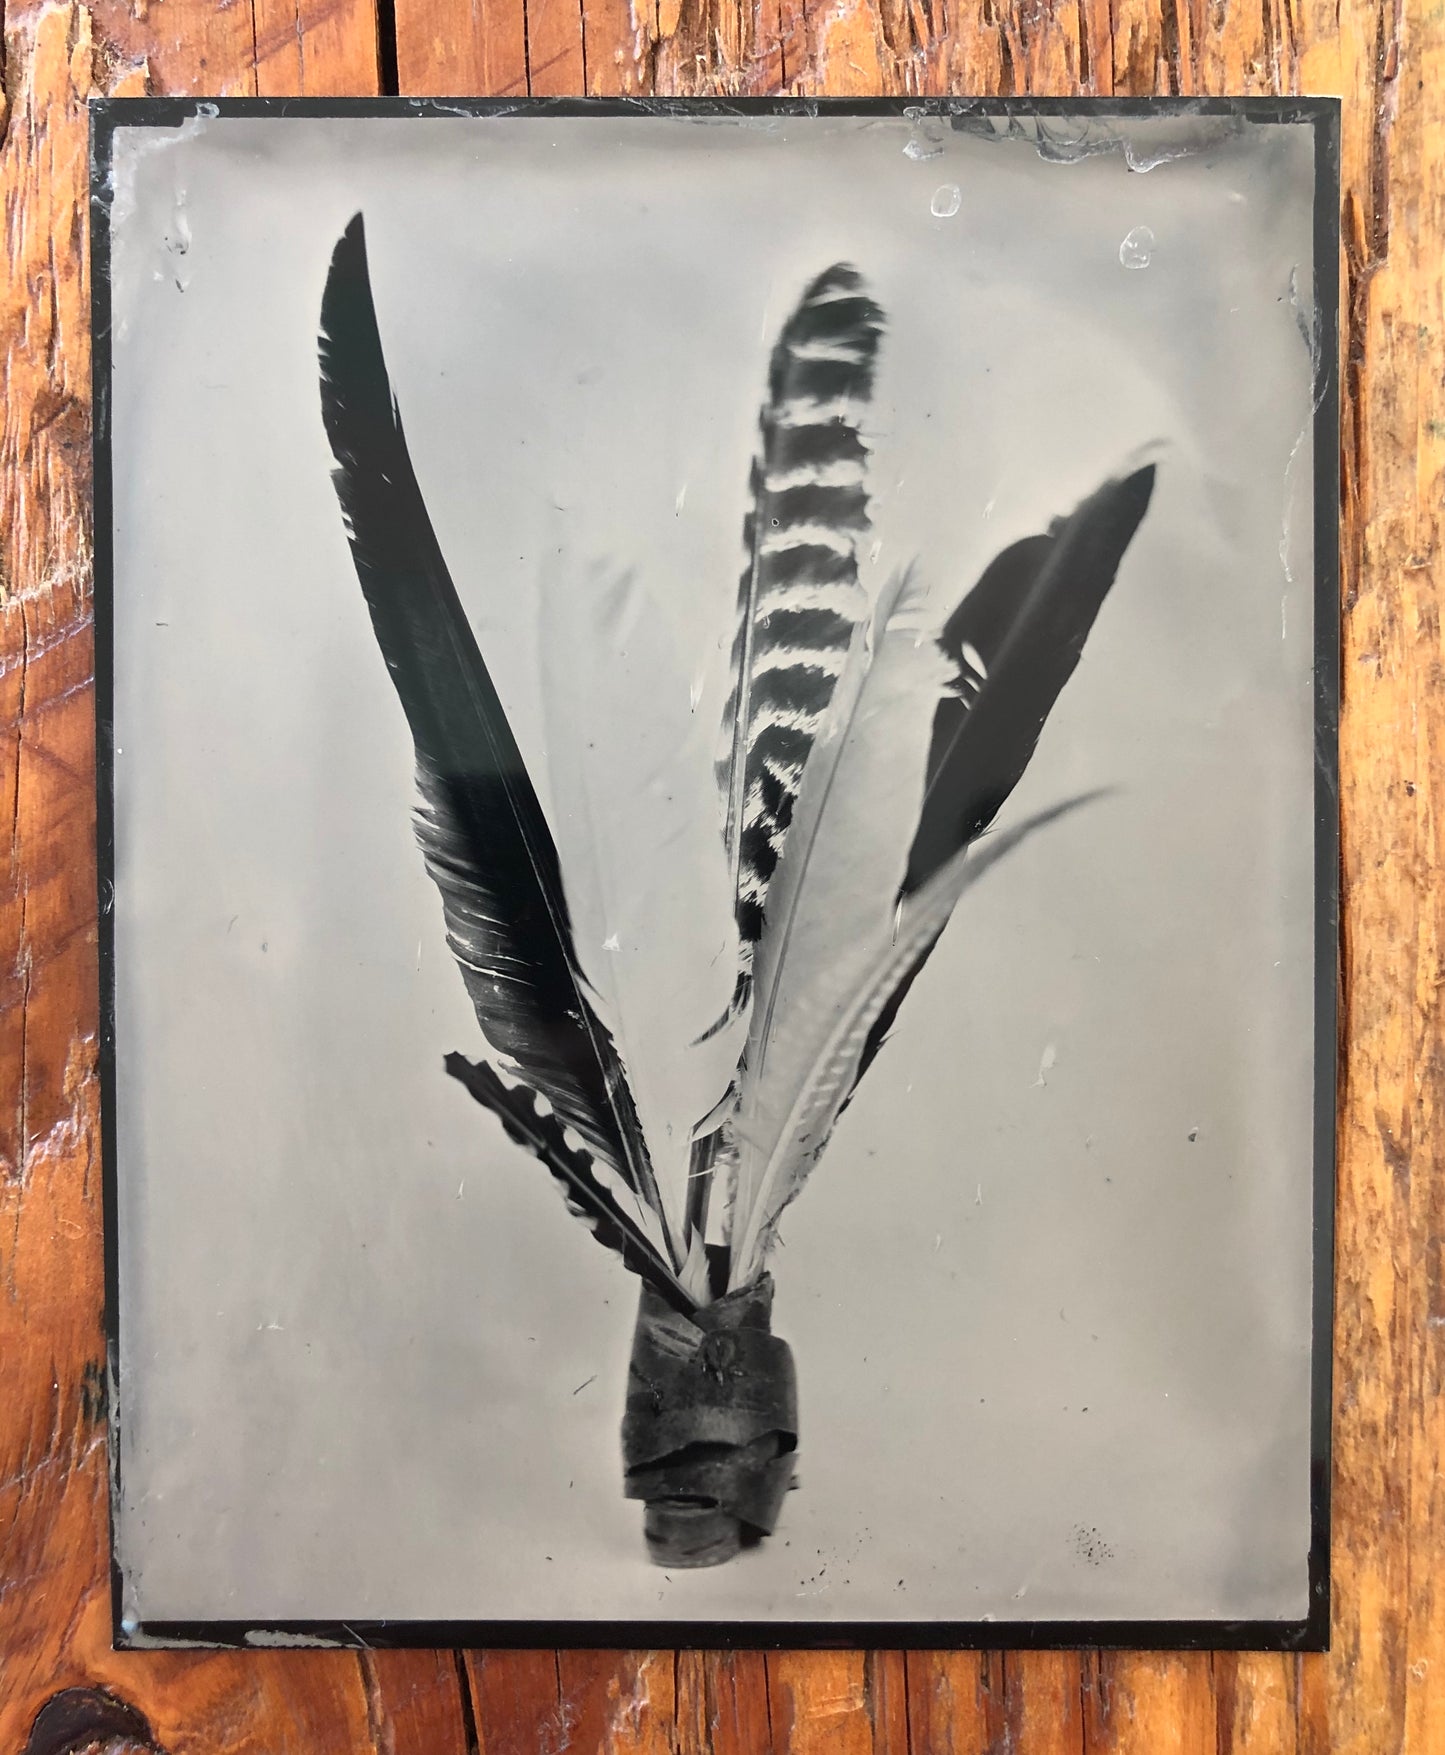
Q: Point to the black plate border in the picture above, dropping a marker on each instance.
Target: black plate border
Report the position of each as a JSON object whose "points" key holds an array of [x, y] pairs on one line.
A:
{"points": [[1321, 114]]}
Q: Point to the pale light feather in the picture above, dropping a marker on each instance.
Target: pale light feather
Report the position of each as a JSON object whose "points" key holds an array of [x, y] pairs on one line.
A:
{"points": [[824, 1083], [833, 897], [645, 873]]}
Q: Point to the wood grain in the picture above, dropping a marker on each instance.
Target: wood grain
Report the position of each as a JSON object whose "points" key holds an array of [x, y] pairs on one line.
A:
{"points": [[1380, 1690]]}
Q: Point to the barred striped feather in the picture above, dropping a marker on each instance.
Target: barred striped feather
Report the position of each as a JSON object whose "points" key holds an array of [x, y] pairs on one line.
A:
{"points": [[799, 599]]}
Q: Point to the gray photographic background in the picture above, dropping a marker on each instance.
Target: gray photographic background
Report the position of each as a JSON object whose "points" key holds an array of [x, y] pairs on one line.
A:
{"points": [[1048, 1289]]}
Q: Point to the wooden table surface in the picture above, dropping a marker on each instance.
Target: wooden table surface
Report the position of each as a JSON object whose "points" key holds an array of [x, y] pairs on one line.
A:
{"points": [[1382, 1687]]}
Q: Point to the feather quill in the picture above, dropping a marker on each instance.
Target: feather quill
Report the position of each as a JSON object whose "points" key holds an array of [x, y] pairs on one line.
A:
{"points": [[799, 598], [485, 840]]}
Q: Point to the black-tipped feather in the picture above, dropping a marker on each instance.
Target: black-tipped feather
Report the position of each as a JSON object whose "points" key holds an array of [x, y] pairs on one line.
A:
{"points": [[1014, 641], [486, 842], [799, 598], [586, 1196]]}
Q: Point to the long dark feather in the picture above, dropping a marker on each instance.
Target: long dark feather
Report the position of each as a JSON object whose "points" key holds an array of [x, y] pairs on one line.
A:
{"points": [[586, 1196], [799, 598], [486, 841], [1013, 643]]}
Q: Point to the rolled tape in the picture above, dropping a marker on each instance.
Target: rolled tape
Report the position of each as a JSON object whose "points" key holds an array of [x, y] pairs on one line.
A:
{"points": [[711, 1425]]}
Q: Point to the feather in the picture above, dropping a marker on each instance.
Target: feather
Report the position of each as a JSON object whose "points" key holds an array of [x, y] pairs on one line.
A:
{"points": [[643, 869], [1012, 644], [486, 842], [799, 599], [830, 1073], [576, 1174], [834, 897]]}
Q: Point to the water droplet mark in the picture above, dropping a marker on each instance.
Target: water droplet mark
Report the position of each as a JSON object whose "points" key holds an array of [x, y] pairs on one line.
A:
{"points": [[1137, 250], [947, 199]]}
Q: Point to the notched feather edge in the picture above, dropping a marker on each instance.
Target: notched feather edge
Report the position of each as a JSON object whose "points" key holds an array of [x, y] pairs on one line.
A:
{"points": [[516, 1107]]}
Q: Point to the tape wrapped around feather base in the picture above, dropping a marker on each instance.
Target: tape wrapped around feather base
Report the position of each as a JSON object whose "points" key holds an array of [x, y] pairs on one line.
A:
{"points": [[711, 1425]]}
